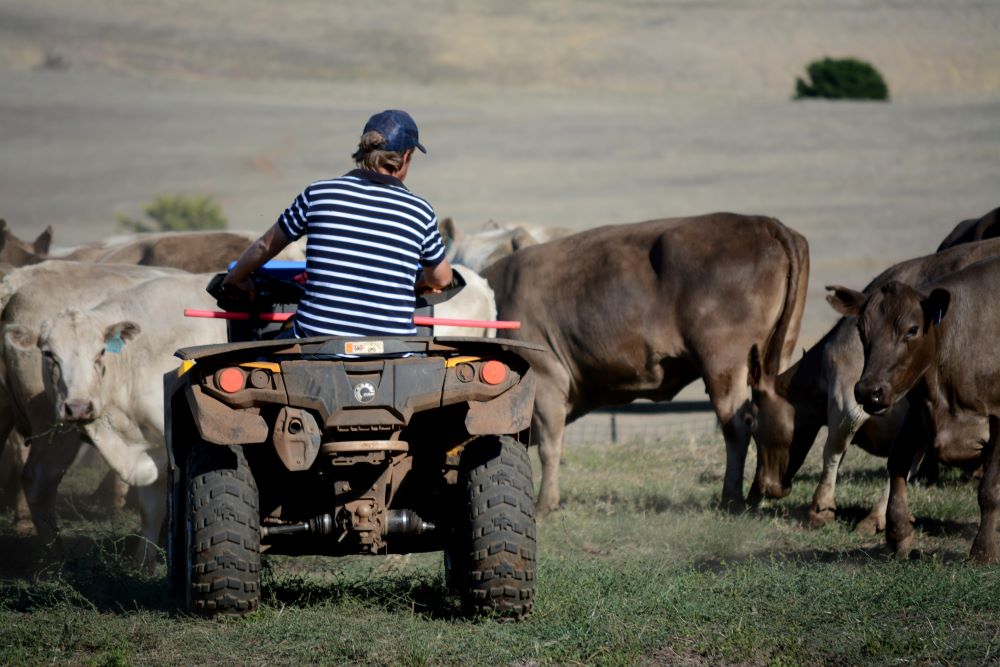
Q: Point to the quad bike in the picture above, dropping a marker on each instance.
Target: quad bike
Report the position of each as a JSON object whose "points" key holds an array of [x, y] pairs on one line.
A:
{"points": [[339, 446]]}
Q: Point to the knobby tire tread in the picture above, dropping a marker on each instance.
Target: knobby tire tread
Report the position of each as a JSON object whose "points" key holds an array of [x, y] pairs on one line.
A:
{"points": [[225, 531], [499, 546]]}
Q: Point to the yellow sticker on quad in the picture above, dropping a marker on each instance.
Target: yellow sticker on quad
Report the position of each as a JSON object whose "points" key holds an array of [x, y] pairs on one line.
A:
{"points": [[365, 347]]}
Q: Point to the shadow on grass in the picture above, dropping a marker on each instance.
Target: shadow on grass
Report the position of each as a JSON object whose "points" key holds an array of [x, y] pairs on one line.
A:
{"points": [[99, 574], [413, 592]]}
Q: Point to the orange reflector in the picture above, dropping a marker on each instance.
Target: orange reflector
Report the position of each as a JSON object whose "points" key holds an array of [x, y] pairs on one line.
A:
{"points": [[230, 380], [494, 372]]}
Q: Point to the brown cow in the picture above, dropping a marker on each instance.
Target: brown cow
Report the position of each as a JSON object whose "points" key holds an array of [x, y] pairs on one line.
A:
{"points": [[818, 390], [197, 252], [967, 231], [642, 310], [940, 350]]}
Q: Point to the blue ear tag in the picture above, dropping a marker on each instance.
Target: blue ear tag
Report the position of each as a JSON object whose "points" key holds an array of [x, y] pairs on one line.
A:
{"points": [[114, 345]]}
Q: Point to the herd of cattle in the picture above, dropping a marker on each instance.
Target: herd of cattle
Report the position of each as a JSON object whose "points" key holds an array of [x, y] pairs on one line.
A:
{"points": [[910, 372]]}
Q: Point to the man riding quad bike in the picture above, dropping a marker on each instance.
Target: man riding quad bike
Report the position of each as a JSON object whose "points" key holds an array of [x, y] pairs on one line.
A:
{"points": [[335, 445]]}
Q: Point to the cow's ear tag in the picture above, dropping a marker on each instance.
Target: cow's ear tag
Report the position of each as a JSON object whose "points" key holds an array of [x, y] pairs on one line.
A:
{"points": [[114, 345]]}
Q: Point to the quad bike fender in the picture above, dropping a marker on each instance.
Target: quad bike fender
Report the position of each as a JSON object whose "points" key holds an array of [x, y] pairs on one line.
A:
{"points": [[507, 414], [222, 425]]}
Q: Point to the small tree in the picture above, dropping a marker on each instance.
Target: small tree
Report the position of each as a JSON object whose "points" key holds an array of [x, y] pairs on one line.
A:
{"points": [[177, 213], [844, 78]]}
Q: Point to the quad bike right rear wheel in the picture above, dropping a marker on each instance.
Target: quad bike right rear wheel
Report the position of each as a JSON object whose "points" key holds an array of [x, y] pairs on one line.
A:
{"points": [[492, 561]]}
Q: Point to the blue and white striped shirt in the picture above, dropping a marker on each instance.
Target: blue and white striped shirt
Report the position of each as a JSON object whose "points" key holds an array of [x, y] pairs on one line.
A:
{"points": [[367, 237]]}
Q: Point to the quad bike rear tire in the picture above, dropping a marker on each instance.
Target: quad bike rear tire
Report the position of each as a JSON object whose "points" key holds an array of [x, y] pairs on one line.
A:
{"points": [[223, 532], [492, 560]]}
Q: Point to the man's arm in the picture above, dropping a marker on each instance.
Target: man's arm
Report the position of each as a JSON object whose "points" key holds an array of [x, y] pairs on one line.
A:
{"points": [[438, 276], [267, 246]]}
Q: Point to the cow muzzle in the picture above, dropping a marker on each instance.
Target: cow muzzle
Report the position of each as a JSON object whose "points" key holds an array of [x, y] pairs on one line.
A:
{"points": [[873, 397], [81, 409]]}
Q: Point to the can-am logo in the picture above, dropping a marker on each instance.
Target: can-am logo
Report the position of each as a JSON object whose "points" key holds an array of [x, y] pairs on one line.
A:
{"points": [[364, 392]]}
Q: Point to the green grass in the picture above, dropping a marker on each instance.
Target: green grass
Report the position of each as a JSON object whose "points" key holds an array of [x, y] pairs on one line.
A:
{"points": [[638, 568]]}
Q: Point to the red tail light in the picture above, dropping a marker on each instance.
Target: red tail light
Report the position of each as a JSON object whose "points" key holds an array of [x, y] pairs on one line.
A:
{"points": [[230, 380], [494, 372]]}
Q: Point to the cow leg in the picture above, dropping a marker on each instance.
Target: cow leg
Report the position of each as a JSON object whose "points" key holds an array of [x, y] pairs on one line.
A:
{"points": [[875, 521], [153, 512], [984, 548], [904, 457], [24, 525], [112, 491], [727, 390], [548, 426], [49, 457], [824, 505], [134, 460]]}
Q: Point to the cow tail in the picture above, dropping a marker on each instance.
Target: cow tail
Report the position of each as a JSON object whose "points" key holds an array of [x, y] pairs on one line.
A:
{"points": [[797, 250]]}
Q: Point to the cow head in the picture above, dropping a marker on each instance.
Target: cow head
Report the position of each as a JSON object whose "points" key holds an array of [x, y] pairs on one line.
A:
{"points": [[898, 327], [75, 348], [773, 428]]}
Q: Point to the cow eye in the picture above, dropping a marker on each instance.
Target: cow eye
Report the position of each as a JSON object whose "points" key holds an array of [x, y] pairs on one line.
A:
{"points": [[912, 331]]}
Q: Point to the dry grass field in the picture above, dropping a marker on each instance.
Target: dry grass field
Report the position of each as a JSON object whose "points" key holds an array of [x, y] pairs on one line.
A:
{"points": [[565, 113]]}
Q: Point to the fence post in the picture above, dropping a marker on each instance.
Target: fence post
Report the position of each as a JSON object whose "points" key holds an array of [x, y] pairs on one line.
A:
{"points": [[614, 429]]}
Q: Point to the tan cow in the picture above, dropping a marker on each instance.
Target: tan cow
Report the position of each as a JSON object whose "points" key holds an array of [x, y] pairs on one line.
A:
{"points": [[103, 370], [642, 310]]}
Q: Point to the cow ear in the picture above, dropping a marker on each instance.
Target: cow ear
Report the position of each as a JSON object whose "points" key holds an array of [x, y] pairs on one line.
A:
{"points": [[116, 335], [935, 307], [43, 242], [755, 366], [449, 231], [20, 337], [521, 238], [845, 301]]}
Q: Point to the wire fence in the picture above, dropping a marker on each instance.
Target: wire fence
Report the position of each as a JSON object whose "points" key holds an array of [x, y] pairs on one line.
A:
{"points": [[649, 422]]}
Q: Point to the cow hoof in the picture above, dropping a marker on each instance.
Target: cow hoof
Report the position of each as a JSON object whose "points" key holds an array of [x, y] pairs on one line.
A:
{"points": [[902, 549], [822, 517], [25, 528], [733, 505], [983, 553], [870, 525], [542, 511]]}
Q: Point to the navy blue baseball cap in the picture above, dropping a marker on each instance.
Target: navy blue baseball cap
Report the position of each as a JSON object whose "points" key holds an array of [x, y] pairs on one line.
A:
{"points": [[398, 128]]}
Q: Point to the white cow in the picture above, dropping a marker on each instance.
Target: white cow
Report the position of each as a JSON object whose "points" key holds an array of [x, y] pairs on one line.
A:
{"points": [[28, 296], [103, 371], [473, 302], [495, 240]]}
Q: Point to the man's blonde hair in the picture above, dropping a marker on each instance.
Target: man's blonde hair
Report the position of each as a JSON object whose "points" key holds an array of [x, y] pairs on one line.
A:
{"points": [[371, 156]]}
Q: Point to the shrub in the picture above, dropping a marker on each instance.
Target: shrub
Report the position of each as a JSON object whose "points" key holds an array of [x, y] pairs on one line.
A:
{"points": [[844, 78], [177, 213]]}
